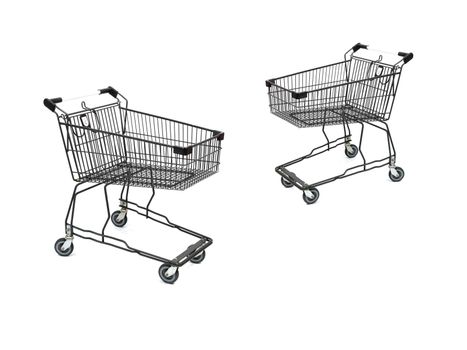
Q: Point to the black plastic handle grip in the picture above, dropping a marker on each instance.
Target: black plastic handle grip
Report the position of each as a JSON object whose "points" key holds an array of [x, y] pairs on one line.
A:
{"points": [[359, 46], [50, 103], [109, 90], [219, 135], [407, 56], [183, 151], [299, 95]]}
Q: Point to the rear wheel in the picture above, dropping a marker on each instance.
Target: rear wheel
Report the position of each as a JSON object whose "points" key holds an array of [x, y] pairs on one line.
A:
{"points": [[197, 259]]}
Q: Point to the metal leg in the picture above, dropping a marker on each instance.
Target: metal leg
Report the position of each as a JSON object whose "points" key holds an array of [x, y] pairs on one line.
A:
{"points": [[108, 212], [396, 173], [391, 148], [347, 133], [71, 208], [64, 246], [324, 133], [362, 125], [153, 193]]}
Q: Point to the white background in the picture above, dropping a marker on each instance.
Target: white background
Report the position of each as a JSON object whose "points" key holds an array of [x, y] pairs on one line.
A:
{"points": [[372, 265]]}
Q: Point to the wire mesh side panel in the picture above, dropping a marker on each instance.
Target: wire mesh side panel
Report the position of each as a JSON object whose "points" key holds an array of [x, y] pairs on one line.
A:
{"points": [[326, 95], [168, 154], [93, 141]]}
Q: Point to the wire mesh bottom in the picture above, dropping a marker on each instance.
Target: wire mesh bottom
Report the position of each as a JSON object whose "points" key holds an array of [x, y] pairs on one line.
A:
{"points": [[306, 118], [171, 178]]}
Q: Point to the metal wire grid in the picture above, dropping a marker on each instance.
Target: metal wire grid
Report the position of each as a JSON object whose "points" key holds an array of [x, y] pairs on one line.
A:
{"points": [[122, 146], [355, 88]]}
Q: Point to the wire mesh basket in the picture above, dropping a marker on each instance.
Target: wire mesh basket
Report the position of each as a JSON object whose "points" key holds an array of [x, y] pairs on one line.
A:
{"points": [[119, 145], [356, 88]]}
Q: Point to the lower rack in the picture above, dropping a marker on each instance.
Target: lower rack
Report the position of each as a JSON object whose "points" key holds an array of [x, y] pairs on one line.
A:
{"points": [[310, 192], [168, 271]]}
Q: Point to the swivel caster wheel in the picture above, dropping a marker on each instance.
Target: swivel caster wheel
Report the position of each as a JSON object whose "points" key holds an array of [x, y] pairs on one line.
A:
{"points": [[314, 195], [286, 183], [197, 259], [59, 247], [396, 174], [116, 221], [351, 151], [164, 269]]}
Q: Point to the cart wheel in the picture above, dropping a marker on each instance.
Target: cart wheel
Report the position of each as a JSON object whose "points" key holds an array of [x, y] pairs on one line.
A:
{"points": [[163, 269], [286, 183], [399, 176], [197, 259], [353, 153], [58, 247], [117, 223], [311, 200]]}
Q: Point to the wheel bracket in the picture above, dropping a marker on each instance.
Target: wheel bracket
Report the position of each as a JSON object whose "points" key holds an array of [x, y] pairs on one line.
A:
{"points": [[123, 211], [68, 238], [394, 172], [171, 271], [348, 147], [67, 244]]}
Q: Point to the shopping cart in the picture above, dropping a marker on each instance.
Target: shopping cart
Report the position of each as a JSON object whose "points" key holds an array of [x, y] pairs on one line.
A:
{"points": [[111, 144], [359, 90]]}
